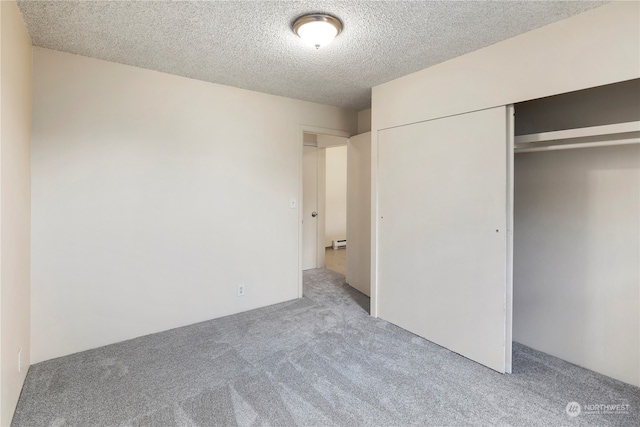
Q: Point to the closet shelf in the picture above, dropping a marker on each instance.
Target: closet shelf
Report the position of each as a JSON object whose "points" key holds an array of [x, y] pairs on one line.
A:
{"points": [[595, 136]]}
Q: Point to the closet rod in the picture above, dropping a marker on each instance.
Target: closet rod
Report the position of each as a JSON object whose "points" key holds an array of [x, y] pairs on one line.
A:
{"points": [[627, 141]]}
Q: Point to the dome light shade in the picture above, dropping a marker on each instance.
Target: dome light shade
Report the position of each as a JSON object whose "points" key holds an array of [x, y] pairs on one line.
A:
{"points": [[317, 30]]}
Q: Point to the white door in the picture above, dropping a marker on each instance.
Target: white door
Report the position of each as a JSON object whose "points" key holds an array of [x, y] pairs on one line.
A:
{"points": [[310, 208], [443, 240], [359, 212]]}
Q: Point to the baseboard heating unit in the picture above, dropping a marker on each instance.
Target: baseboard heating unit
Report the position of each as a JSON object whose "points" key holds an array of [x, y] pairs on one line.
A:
{"points": [[337, 244]]}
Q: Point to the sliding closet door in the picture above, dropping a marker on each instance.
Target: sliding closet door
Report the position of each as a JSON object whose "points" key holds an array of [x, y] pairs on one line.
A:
{"points": [[359, 212], [443, 243]]}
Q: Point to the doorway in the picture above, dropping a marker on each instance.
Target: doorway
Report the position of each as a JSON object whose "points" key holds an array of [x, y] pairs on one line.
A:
{"points": [[335, 235], [312, 212], [324, 202]]}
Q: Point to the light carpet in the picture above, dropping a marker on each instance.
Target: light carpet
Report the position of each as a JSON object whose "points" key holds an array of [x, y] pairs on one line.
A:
{"points": [[316, 361]]}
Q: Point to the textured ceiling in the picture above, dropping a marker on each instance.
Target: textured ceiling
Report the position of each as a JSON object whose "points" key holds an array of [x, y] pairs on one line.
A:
{"points": [[249, 44]]}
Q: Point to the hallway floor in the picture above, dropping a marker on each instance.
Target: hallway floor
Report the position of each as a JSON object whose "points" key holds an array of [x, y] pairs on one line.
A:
{"points": [[336, 260]]}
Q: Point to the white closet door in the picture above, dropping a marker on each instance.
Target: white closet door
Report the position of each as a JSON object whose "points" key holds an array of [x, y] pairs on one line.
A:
{"points": [[359, 212], [443, 211]]}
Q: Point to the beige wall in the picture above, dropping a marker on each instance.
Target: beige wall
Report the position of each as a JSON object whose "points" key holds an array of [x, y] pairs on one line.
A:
{"points": [[335, 195], [597, 47], [154, 196], [15, 204], [364, 121]]}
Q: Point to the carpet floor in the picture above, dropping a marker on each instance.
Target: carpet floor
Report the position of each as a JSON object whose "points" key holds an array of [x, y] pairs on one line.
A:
{"points": [[317, 361]]}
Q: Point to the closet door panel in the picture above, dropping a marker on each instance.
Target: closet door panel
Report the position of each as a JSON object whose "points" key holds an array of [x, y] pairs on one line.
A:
{"points": [[442, 255]]}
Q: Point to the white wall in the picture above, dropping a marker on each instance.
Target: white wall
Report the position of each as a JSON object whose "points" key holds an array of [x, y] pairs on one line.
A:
{"points": [[576, 252], [326, 141], [336, 195], [154, 196], [597, 47], [15, 203]]}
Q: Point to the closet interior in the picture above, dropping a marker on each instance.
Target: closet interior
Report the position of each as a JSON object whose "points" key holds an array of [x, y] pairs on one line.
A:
{"points": [[576, 249]]}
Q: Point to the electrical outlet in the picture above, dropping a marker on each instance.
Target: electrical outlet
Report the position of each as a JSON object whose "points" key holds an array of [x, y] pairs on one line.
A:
{"points": [[240, 290], [20, 360]]}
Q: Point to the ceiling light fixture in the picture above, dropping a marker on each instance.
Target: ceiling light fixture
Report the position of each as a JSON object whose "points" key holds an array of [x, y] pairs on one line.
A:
{"points": [[317, 29]]}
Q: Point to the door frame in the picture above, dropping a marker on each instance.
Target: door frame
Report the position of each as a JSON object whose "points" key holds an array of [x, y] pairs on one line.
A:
{"points": [[321, 189]]}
